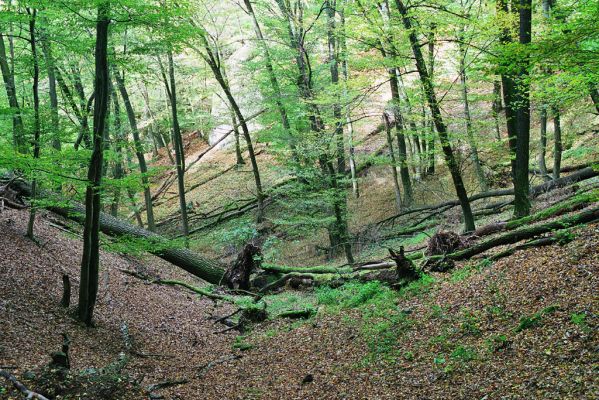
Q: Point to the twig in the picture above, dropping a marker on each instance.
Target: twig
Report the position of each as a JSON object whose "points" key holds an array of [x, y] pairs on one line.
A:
{"points": [[203, 369], [21, 387]]}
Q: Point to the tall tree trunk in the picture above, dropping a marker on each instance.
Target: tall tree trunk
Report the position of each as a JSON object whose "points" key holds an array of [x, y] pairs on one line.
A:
{"points": [[139, 152], [117, 169], [238, 155], [478, 169], [521, 185], [496, 107], [431, 97], [348, 120], [178, 145], [543, 142], [88, 287], [274, 82], [36, 115], [84, 106], [401, 140], [211, 59], [11, 92], [47, 50], [557, 143], [333, 60], [388, 125], [431, 72], [509, 89]]}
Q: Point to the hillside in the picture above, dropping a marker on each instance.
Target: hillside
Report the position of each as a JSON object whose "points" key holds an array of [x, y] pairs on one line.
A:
{"points": [[522, 327]]}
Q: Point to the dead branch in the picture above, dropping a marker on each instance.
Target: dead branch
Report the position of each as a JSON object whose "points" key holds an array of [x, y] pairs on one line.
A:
{"points": [[19, 386]]}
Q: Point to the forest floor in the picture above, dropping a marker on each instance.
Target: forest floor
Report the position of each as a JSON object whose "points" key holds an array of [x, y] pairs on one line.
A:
{"points": [[522, 327]]}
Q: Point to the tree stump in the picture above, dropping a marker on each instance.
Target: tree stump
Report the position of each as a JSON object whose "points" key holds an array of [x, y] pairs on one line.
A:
{"points": [[237, 276]]}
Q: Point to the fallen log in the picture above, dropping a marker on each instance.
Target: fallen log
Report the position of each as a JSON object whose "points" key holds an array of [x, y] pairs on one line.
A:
{"points": [[526, 232], [202, 267], [19, 386], [535, 191]]}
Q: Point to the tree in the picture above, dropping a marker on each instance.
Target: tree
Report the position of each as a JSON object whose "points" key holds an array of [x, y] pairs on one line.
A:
{"points": [[90, 262], [433, 104]]}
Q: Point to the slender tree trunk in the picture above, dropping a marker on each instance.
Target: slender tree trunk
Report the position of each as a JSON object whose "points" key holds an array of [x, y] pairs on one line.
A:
{"points": [[117, 170], [496, 107], [177, 145], [334, 70], [521, 185], [213, 62], [348, 120], [478, 170], [431, 97], [431, 72], [84, 106], [274, 82], [509, 86], [401, 140], [11, 92], [557, 143], [88, 287], [47, 50], [388, 125], [139, 152], [543, 142], [238, 154], [36, 115]]}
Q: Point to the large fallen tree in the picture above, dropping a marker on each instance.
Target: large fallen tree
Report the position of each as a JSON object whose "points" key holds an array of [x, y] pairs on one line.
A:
{"points": [[202, 267]]}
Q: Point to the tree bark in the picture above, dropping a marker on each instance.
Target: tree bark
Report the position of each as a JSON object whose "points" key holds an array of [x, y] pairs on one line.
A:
{"points": [[88, 287], [139, 152], [398, 204], [11, 93], [50, 66], [478, 170], [36, 114], [178, 145], [557, 143], [543, 143]]}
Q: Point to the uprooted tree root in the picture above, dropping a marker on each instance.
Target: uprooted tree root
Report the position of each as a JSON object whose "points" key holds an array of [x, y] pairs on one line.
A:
{"points": [[444, 242]]}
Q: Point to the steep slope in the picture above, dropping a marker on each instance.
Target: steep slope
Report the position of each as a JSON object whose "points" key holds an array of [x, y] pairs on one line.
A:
{"points": [[524, 327]]}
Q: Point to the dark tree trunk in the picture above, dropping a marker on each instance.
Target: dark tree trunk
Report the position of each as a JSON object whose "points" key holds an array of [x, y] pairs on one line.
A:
{"points": [[478, 170], [509, 89], [497, 107], [334, 69], [47, 50], [11, 93], [557, 143], [178, 145], [431, 97], [213, 61], [393, 162], [543, 142], [139, 151], [521, 186], [36, 113], [117, 170], [88, 287]]}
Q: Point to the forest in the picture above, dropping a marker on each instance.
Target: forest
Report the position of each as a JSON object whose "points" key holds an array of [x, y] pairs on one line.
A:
{"points": [[299, 199]]}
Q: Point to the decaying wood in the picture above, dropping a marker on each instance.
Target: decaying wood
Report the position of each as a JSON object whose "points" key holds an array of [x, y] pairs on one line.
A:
{"points": [[66, 291], [237, 276], [526, 232], [22, 388], [205, 368]]}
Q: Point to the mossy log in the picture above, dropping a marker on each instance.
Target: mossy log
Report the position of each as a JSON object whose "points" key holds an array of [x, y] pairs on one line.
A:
{"points": [[526, 232]]}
